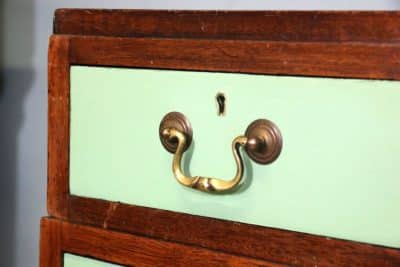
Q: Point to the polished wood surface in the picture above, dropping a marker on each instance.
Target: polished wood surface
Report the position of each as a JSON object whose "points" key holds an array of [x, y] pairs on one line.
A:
{"points": [[285, 247], [299, 26], [50, 244], [366, 47], [127, 249], [351, 60], [58, 127]]}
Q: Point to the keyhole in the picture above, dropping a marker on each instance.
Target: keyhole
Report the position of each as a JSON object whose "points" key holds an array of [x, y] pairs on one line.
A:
{"points": [[220, 97]]}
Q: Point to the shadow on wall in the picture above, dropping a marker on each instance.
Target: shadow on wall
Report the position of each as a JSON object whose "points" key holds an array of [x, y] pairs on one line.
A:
{"points": [[16, 75]]}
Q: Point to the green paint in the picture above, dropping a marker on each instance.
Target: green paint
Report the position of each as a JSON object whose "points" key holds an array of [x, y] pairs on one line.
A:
{"points": [[338, 174], [77, 261]]}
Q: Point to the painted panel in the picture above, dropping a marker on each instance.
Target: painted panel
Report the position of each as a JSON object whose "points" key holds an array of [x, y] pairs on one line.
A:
{"points": [[337, 175], [71, 260]]}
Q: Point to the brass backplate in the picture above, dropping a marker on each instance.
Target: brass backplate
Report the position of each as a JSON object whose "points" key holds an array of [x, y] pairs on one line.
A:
{"points": [[264, 141], [179, 122]]}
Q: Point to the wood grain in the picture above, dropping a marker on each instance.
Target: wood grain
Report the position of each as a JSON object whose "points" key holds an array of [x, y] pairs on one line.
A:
{"points": [[352, 60], [297, 26], [131, 250], [58, 126], [334, 44], [281, 246], [50, 244]]}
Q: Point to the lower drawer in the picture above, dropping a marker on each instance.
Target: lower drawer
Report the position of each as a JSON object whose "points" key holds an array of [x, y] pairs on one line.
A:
{"points": [[337, 174], [71, 260], [71, 245]]}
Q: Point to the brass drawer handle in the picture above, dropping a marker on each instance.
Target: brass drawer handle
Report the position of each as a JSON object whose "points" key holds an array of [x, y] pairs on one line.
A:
{"points": [[262, 142]]}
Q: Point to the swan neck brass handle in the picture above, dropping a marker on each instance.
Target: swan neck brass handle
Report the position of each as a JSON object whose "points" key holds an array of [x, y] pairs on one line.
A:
{"points": [[262, 142], [206, 184]]}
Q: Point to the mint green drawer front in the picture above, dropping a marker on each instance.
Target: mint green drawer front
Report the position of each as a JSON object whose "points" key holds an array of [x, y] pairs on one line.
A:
{"points": [[337, 175], [77, 261]]}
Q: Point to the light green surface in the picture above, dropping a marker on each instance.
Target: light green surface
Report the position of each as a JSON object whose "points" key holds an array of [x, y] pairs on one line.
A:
{"points": [[338, 173], [77, 261]]}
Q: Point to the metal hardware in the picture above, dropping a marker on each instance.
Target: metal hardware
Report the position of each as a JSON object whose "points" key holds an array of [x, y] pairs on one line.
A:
{"points": [[221, 106], [262, 142], [265, 141], [178, 121]]}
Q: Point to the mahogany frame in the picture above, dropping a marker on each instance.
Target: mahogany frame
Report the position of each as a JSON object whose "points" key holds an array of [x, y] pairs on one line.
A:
{"points": [[167, 40], [58, 238]]}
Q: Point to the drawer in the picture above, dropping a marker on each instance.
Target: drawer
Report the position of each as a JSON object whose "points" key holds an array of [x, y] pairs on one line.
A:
{"points": [[337, 174], [71, 260], [327, 98], [66, 244]]}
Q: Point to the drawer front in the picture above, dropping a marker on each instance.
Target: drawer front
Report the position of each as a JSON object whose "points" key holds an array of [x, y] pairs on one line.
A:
{"points": [[86, 246], [337, 174], [71, 260]]}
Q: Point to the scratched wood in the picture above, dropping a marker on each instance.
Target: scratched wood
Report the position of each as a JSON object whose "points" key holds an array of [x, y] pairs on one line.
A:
{"points": [[298, 26], [325, 44], [128, 249]]}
